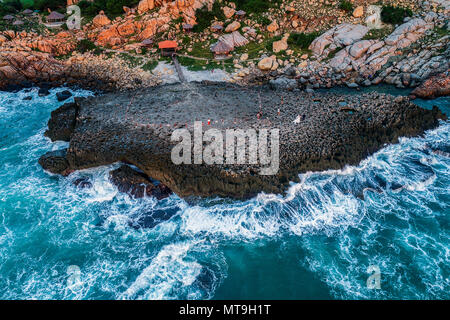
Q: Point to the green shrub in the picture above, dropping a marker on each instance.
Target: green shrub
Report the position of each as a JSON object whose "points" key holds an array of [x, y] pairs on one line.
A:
{"points": [[346, 6], [85, 45], [264, 21], [115, 7], [394, 15], [302, 40], [149, 66], [10, 6], [256, 6], [91, 9], [204, 17], [377, 34]]}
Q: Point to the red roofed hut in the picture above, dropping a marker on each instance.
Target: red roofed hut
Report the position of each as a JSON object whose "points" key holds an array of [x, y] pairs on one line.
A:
{"points": [[168, 48]]}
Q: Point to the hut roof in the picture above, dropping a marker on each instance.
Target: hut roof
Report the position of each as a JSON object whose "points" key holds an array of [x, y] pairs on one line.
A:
{"points": [[54, 15], [240, 13], [147, 42], [167, 44], [187, 26], [8, 17], [18, 22], [234, 39], [27, 11], [221, 47], [217, 27]]}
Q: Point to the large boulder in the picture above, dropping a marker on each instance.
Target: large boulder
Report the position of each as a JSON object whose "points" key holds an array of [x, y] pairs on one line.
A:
{"points": [[137, 184], [145, 5], [228, 12], [269, 63], [55, 162], [341, 35], [358, 12], [126, 29], [62, 122], [273, 26], [357, 49], [280, 45], [63, 95], [235, 25], [101, 20], [408, 32], [436, 86]]}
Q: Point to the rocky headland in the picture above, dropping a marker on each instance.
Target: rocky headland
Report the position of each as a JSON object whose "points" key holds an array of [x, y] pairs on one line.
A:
{"points": [[317, 132]]}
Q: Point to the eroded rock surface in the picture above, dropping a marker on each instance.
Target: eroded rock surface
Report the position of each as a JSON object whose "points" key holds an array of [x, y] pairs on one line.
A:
{"points": [[434, 87], [137, 184], [317, 132]]}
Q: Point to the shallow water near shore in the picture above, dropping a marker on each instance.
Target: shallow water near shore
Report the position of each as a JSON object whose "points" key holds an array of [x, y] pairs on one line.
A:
{"points": [[316, 242]]}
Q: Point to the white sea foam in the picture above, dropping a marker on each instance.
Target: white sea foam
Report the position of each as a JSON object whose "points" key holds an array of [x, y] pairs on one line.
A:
{"points": [[170, 270]]}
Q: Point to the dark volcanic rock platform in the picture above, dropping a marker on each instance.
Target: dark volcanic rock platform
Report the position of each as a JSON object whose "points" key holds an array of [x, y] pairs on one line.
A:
{"points": [[135, 127]]}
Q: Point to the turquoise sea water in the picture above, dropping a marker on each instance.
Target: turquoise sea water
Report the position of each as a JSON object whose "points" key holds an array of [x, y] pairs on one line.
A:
{"points": [[316, 242]]}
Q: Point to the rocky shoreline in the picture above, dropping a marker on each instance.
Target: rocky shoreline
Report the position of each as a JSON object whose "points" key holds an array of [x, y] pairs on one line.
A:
{"points": [[106, 55], [317, 132]]}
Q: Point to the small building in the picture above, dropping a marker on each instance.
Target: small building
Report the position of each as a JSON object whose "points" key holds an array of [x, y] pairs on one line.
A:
{"points": [[18, 23], [217, 28], [8, 18], [55, 17], [240, 14], [147, 43], [221, 50], [168, 48], [187, 27], [27, 12]]}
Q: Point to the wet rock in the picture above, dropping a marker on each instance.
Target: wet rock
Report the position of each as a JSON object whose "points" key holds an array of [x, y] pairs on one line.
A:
{"points": [[43, 92], [137, 184], [63, 95], [82, 183], [62, 122], [436, 86], [153, 218], [283, 84], [55, 162]]}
